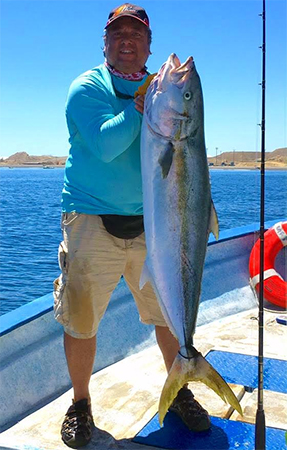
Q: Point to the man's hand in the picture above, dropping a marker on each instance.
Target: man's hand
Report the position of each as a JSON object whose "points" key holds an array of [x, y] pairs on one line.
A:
{"points": [[139, 103]]}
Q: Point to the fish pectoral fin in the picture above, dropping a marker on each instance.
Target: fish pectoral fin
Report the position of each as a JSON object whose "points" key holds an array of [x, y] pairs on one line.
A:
{"points": [[194, 369], [214, 225], [145, 276], [165, 159], [144, 87]]}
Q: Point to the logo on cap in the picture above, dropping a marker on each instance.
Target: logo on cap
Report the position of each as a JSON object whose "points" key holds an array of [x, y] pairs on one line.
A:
{"points": [[123, 8]]}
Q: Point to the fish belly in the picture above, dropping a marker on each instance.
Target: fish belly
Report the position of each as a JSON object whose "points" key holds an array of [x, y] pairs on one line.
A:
{"points": [[176, 228]]}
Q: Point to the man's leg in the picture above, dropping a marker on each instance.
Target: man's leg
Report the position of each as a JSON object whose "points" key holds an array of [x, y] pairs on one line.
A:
{"points": [[91, 268], [78, 424], [168, 345], [80, 354]]}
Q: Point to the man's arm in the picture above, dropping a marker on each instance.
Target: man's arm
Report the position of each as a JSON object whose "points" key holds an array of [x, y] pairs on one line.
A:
{"points": [[107, 135]]}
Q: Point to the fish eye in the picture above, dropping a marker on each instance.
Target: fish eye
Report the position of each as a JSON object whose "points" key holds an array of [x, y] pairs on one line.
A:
{"points": [[187, 95]]}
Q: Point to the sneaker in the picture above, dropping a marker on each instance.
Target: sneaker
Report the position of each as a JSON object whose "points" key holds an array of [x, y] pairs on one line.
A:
{"points": [[190, 411], [77, 427]]}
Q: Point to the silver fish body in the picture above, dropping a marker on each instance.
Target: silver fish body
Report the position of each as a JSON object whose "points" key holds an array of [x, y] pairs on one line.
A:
{"points": [[178, 214]]}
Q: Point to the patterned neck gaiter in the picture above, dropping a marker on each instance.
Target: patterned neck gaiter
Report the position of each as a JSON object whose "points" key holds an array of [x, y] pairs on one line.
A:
{"points": [[137, 76]]}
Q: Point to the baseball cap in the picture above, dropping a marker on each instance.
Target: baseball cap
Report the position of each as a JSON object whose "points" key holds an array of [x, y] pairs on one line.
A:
{"points": [[129, 10]]}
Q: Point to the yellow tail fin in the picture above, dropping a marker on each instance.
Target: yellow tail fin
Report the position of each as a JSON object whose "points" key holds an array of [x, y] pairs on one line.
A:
{"points": [[194, 369]]}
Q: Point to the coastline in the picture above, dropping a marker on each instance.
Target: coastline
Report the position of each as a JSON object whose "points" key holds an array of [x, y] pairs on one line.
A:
{"points": [[239, 167], [32, 166], [275, 160], [213, 167]]}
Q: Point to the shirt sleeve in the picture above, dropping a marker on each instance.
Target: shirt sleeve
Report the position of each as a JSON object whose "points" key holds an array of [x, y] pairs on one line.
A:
{"points": [[107, 135]]}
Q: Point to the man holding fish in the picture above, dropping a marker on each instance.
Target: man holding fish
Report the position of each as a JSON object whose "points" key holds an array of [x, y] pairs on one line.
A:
{"points": [[119, 168]]}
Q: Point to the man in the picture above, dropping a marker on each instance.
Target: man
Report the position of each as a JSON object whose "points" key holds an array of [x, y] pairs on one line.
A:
{"points": [[102, 215]]}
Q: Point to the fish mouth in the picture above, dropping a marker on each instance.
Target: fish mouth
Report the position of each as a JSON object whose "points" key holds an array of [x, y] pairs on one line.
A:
{"points": [[173, 71], [177, 66], [179, 73]]}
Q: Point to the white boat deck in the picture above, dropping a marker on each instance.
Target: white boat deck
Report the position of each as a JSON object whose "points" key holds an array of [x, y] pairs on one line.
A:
{"points": [[125, 395]]}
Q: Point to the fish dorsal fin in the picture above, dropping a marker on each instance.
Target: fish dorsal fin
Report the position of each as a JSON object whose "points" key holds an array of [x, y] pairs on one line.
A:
{"points": [[165, 159], [213, 226]]}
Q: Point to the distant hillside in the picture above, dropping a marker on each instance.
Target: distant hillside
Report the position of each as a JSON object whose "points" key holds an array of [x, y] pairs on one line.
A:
{"points": [[23, 159], [279, 155], [276, 158]]}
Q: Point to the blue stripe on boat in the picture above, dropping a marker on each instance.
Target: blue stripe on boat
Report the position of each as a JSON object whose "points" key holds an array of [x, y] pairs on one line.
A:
{"points": [[223, 434], [243, 369]]}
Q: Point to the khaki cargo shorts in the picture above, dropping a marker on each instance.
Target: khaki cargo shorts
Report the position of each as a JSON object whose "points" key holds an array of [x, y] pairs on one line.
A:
{"points": [[92, 262]]}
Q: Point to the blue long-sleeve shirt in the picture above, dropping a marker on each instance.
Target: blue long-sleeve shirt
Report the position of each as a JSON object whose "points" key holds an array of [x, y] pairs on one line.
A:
{"points": [[102, 174]]}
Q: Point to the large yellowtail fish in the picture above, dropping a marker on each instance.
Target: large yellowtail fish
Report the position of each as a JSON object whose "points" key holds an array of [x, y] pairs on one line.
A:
{"points": [[178, 217]]}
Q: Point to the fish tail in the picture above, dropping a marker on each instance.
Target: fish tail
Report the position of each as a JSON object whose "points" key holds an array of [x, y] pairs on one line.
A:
{"points": [[194, 369]]}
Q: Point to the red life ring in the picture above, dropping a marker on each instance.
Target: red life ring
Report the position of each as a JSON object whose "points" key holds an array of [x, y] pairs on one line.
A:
{"points": [[275, 288]]}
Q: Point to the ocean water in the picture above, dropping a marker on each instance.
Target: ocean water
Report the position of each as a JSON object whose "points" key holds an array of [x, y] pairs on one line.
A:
{"points": [[30, 216]]}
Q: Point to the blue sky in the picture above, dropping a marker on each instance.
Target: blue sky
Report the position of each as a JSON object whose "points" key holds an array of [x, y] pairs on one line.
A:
{"points": [[46, 44]]}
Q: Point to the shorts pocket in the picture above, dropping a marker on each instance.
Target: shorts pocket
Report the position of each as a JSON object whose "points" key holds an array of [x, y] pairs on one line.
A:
{"points": [[68, 218], [60, 302]]}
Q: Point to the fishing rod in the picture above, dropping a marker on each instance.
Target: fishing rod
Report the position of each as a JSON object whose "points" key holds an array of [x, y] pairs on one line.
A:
{"points": [[260, 429]]}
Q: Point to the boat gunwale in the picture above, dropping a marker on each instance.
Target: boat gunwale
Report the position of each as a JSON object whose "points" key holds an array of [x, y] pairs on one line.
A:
{"points": [[43, 305]]}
